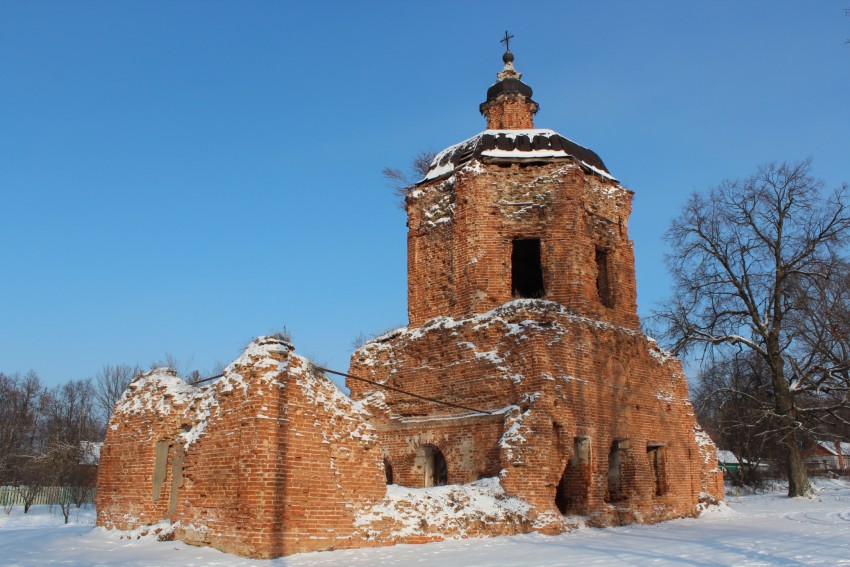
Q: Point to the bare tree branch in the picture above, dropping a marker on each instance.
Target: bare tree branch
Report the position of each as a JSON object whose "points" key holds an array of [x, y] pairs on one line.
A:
{"points": [[755, 270]]}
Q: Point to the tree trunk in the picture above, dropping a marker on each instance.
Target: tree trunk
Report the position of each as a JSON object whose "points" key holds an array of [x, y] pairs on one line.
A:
{"points": [[798, 478]]}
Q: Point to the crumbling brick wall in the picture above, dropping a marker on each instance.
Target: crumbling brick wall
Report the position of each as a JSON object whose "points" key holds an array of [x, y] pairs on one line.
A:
{"points": [[270, 459], [572, 365], [523, 316], [551, 378], [462, 228]]}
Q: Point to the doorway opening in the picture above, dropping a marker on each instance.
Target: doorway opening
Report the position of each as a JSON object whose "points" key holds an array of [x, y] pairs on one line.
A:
{"points": [[571, 497], [430, 466], [388, 471]]}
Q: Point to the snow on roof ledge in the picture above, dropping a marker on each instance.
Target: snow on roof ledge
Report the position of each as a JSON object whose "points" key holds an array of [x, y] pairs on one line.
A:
{"points": [[830, 446], [537, 143]]}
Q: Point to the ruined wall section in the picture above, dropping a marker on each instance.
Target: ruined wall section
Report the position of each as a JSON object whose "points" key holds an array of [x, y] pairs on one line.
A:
{"points": [[430, 271], [478, 509], [462, 228], [469, 443], [553, 378], [333, 465], [270, 459], [136, 470]]}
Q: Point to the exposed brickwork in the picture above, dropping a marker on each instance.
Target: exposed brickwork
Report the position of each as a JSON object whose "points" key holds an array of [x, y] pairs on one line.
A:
{"points": [[276, 461], [523, 310], [510, 112], [551, 377], [462, 229], [595, 419]]}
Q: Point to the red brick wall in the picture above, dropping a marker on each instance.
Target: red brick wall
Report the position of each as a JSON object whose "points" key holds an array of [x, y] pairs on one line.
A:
{"points": [[271, 459], [549, 376], [510, 112], [277, 461], [462, 229], [126, 469]]}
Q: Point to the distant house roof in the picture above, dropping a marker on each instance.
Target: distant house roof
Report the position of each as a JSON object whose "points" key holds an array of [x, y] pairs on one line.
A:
{"points": [[520, 145], [727, 457], [830, 446], [90, 452]]}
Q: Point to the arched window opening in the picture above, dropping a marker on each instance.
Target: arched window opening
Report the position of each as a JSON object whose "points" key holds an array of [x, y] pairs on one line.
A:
{"points": [[526, 268], [388, 471], [430, 466]]}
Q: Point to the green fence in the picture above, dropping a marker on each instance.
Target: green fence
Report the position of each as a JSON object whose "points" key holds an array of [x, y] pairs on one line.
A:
{"points": [[13, 496]]}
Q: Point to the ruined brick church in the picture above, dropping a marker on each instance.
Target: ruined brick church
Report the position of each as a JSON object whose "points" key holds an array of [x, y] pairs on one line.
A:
{"points": [[522, 396]]}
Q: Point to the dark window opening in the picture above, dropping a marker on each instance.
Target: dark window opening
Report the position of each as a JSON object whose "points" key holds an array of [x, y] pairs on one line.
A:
{"points": [[571, 497], [616, 460], [388, 471], [431, 464], [655, 455], [526, 268], [603, 278]]}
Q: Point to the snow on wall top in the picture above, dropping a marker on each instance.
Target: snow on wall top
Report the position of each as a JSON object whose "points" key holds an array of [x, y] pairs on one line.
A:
{"points": [[349, 418], [502, 315], [158, 390], [264, 361], [515, 144]]}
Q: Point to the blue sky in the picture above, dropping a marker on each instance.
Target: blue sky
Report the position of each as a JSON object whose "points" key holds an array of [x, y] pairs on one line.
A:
{"points": [[179, 177]]}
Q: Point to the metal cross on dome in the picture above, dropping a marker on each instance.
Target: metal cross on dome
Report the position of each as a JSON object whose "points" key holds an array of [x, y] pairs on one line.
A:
{"points": [[507, 41]]}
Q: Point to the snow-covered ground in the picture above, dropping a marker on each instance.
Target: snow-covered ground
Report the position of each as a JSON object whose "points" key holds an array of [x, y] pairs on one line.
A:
{"points": [[768, 529]]}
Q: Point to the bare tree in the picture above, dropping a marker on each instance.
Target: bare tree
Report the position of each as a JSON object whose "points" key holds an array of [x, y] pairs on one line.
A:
{"points": [[20, 400], [741, 255], [71, 424], [733, 400], [820, 366], [401, 182], [70, 414], [47, 438], [33, 476], [110, 383]]}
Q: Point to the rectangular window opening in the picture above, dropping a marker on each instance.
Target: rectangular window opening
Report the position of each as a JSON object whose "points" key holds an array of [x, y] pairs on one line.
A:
{"points": [[581, 450], [603, 278], [655, 455], [616, 460], [526, 268]]}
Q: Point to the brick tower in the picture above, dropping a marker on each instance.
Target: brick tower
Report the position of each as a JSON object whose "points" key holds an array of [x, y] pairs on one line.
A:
{"points": [[522, 308], [523, 379], [518, 212]]}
